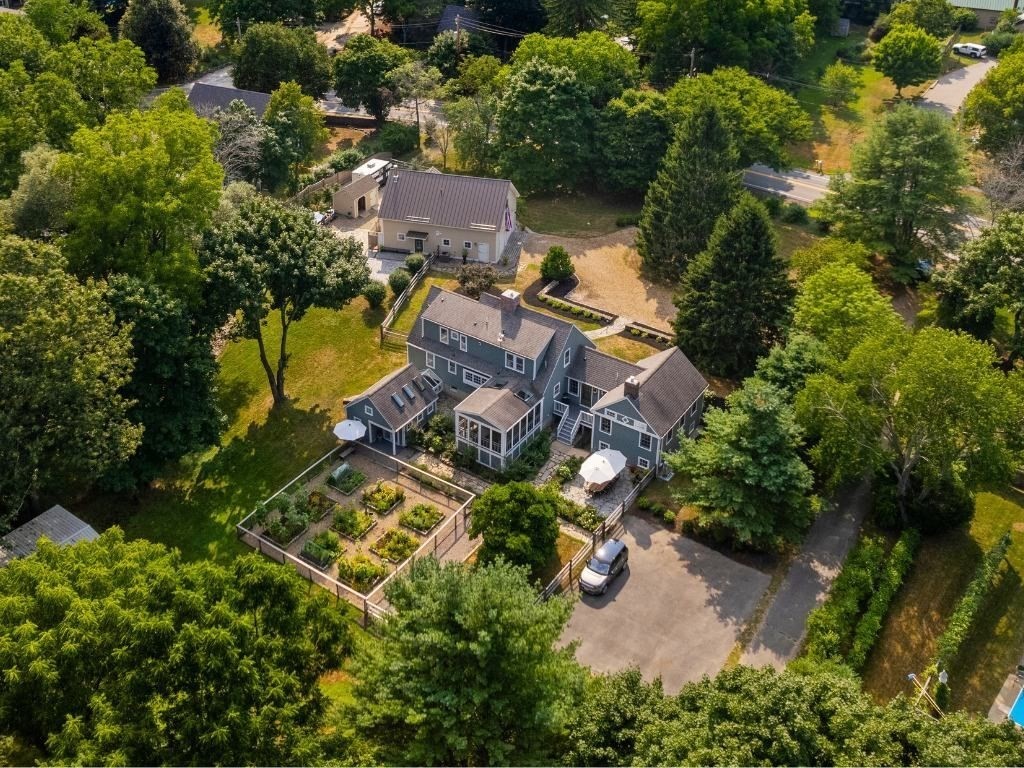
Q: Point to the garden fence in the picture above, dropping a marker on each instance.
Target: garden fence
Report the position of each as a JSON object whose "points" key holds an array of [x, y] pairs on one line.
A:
{"points": [[372, 605], [610, 527], [386, 334]]}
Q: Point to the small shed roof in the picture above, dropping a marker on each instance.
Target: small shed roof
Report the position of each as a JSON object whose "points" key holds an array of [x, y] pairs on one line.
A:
{"points": [[205, 97], [56, 524]]}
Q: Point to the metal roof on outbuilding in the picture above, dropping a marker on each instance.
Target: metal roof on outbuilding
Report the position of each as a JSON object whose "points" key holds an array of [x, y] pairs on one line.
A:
{"points": [[56, 524], [427, 200]]}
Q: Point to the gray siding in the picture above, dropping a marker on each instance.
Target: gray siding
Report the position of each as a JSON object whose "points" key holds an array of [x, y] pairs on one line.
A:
{"points": [[624, 438]]}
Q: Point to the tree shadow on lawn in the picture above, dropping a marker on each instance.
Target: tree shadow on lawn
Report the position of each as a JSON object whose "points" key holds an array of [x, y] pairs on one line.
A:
{"points": [[195, 509]]}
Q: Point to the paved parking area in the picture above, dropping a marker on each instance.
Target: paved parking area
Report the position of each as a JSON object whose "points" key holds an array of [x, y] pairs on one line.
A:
{"points": [[950, 91], [676, 612]]}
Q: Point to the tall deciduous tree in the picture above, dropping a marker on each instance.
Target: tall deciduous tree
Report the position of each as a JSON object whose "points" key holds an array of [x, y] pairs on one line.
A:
{"points": [[417, 82], [568, 18], [464, 672], [989, 276], [243, 142], [788, 366], [840, 306], [162, 29], [272, 54], [38, 207], [64, 20], [231, 14], [362, 74], [172, 388], [21, 41], [296, 127], [936, 17], [633, 135], [698, 181], [152, 660], [516, 15], [518, 523], [64, 364], [904, 193], [994, 105], [807, 261], [908, 56], [545, 125], [472, 118], [841, 81], [928, 410], [735, 297], [762, 119], [144, 185], [749, 483], [274, 258]]}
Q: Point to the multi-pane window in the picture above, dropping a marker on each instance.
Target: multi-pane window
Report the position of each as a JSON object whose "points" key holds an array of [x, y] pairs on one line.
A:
{"points": [[452, 367], [567, 358], [515, 363], [645, 441], [606, 425], [431, 360], [574, 387], [643, 463], [444, 335]]}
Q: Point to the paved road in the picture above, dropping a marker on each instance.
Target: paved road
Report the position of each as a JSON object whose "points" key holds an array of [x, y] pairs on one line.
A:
{"points": [[676, 613], [810, 576], [800, 186], [949, 91]]}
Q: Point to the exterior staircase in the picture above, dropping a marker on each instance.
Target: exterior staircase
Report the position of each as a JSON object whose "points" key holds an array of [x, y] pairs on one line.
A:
{"points": [[569, 425]]}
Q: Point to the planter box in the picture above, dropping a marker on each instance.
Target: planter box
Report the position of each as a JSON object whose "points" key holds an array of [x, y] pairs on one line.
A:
{"points": [[422, 533], [344, 535], [387, 559], [276, 543], [316, 563], [387, 511]]}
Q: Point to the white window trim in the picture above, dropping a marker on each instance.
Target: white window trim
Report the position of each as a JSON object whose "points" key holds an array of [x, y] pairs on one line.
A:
{"points": [[467, 245], [453, 368], [368, 410], [602, 446], [515, 362], [640, 441], [443, 334], [431, 360], [401, 237], [643, 463], [469, 376], [463, 342], [446, 242], [557, 390], [567, 358], [600, 425], [577, 392]]}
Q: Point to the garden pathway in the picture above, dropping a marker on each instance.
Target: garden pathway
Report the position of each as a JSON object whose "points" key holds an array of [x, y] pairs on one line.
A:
{"points": [[618, 326], [807, 583]]}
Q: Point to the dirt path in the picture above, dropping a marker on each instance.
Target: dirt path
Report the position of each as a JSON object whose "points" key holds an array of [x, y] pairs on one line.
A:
{"points": [[608, 268]]}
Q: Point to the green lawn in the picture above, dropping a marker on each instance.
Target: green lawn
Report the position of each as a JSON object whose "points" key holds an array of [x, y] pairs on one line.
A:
{"points": [[404, 322], [625, 347], [942, 569], [579, 215], [333, 354]]}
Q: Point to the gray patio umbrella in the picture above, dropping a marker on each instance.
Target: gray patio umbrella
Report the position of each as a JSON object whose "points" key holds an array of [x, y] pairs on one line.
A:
{"points": [[349, 429]]}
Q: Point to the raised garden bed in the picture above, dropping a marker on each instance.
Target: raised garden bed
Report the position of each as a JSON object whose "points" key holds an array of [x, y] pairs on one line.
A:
{"points": [[346, 480], [352, 523], [322, 550], [395, 546], [320, 505], [284, 518], [383, 498], [360, 572], [422, 518]]}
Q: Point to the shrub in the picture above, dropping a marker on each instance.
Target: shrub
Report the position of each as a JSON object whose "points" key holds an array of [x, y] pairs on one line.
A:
{"points": [[347, 481], [342, 159], [382, 497], [997, 42], [396, 138], [794, 213], [557, 265], [421, 518], [962, 621], [830, 627], [375, 293], [360, 572], [399, 280], [890, 580], [395, 545], [586, 517], [567, 470], [323, 549], [351, 522], [773, 204], [879, 29], [535, 454], [966, 19], [668, 516], [628, 220], [319, 505], [414, 262], [475, 279]]}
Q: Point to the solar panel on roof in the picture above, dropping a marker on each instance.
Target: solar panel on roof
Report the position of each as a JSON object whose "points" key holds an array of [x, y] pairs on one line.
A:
{"points": [[409, 393], [397, 400]]}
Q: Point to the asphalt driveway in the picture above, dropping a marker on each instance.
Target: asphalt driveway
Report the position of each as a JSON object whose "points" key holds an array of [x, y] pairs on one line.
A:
{"points": [[950, 91], [677, 612]]}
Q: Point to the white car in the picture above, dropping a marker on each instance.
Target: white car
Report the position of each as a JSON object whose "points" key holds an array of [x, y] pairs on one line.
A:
{"points": [[973, 50]]}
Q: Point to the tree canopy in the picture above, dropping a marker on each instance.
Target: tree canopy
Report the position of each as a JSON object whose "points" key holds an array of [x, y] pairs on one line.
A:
{"points": [[120, 653], [295, 127], [634, 133], [64, 364], [162, 29], [908, 56], [698, 182], [362, 74], [904, 192], [465, 671], [734, 299], [271, 54], [62, 21], [518, 523], [545, 123], [994, 105], [569, 18], [270, 257], [229, 13], [762, 119]]}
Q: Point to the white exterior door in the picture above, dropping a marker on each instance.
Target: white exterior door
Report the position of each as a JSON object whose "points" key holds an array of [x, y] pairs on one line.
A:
{"points": [[483, 251]]}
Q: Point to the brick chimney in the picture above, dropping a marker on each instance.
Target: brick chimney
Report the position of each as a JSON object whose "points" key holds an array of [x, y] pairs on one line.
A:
{"points": [[631, 388], [509, 301]]}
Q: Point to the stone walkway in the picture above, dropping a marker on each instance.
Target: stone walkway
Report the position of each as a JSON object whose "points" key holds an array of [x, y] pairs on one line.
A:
{"points": [[618, 326], [807, 583]]}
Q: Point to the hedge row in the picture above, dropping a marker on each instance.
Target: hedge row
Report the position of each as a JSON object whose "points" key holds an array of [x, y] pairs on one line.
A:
{"points": [[890, 580], [573, 309], [973, 600], [830, 627]]}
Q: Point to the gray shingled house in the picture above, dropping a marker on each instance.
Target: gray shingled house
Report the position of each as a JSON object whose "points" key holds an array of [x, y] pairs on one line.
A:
{"points": [[206, 98], [515, 371], [447, 214]]}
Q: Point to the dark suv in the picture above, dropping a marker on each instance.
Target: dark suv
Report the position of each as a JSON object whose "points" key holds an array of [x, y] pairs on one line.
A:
{"points": [[607, 563]]}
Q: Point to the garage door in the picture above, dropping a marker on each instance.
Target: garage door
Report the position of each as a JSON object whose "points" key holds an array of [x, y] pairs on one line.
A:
{"points": [[484, 251]]}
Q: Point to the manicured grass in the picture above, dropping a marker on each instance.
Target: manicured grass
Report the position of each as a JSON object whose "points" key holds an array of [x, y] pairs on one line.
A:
{"points": [[579, 215], [565, 548], [404, 322], [941, 572], [626, 347], [194, 507]]}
